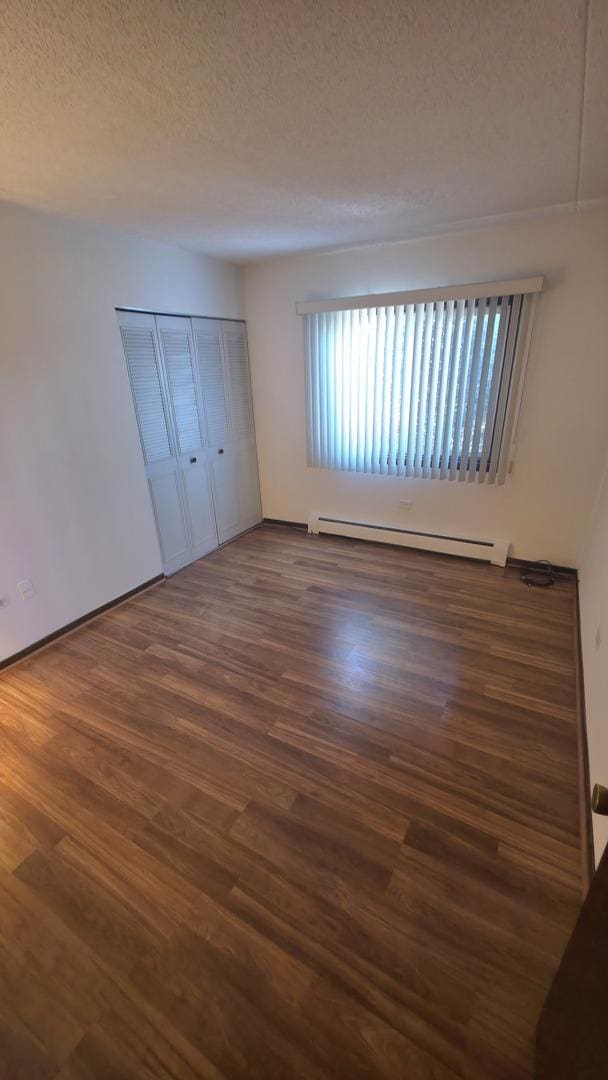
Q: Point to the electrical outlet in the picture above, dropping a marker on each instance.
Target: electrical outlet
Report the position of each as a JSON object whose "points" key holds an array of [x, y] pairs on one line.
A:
{"points": [[405, 504], [26, 589]]}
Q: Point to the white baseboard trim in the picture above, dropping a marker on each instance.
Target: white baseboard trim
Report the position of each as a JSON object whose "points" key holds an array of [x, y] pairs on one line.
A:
{"points": [[493, 551]]}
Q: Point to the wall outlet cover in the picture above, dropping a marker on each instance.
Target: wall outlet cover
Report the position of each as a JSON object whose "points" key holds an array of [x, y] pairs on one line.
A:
{"points": [[26, 589]]}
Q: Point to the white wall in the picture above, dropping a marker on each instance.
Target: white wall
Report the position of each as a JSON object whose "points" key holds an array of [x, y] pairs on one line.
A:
{"points": [[75, 516], [546, 502], [593, 592]]}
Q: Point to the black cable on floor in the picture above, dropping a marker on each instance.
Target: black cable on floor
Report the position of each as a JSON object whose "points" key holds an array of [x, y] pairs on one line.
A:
{"points": [[540, 574]]}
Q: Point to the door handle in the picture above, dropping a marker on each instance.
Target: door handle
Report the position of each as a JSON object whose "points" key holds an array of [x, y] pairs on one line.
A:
{"points": [[220, 451], [599, 799], [193, 461]]}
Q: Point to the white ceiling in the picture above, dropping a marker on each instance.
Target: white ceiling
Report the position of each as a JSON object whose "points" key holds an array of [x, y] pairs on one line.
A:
{"points": [[262, 126]]}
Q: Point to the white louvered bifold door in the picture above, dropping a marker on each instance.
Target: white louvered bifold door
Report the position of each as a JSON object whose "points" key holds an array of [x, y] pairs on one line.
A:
{"points": [[192, 396], [207, 335], [180, 368], [152, 409], [236, 366], [187, 416], [142, 361], [208, 338], [229, 426]]}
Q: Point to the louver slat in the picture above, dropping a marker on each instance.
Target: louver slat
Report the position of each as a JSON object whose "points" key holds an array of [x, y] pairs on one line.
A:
{"points": [[215, 395], [238, 375], [142, 362], [179, 364]]}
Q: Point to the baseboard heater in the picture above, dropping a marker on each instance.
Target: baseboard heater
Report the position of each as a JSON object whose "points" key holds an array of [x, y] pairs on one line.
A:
{"points": [[494, 551]]}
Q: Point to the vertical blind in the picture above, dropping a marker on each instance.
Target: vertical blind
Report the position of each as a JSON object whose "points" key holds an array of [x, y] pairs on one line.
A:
{"points": [[425, 389]]}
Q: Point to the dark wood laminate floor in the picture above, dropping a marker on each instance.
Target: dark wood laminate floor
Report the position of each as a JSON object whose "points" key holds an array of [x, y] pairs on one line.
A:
{"points": [[308, 809]]}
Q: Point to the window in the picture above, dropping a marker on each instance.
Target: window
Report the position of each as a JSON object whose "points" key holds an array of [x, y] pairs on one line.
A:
{"points": [[426, 387]]}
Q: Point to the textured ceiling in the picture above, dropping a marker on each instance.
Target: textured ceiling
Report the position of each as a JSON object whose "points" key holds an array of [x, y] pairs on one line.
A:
{"points": [[261, 126]]}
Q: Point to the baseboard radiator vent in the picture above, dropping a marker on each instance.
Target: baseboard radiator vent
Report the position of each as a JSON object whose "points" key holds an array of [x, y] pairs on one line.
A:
{"points": [[494, 551]]}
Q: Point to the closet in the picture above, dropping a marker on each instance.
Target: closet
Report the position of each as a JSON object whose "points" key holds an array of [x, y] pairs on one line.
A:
{"points": [[192, 396]]}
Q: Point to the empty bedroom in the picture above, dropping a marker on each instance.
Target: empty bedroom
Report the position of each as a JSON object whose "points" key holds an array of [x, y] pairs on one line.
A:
{"points": [[303, 540]]}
